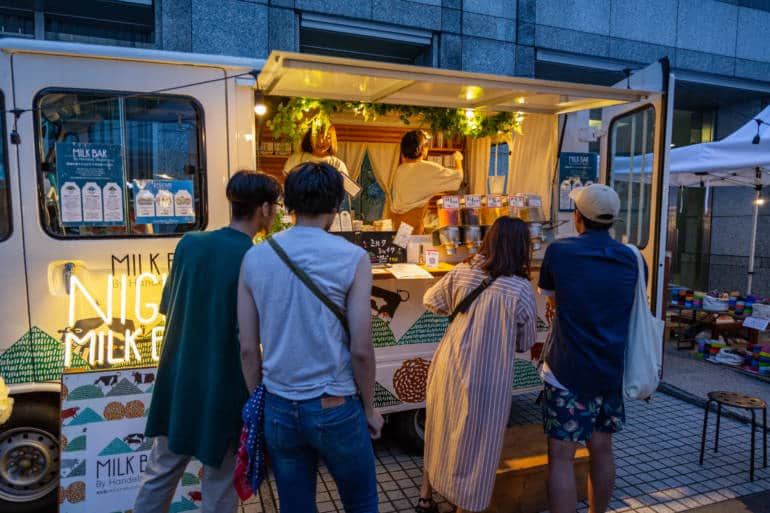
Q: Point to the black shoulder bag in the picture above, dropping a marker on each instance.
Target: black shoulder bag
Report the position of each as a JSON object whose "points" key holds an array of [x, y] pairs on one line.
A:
{"points": [[470, 298], [304, 278]]}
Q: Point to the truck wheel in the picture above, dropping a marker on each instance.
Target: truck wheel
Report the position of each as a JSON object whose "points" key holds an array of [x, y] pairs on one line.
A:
{"points": [[410, 430], [29, 457]]}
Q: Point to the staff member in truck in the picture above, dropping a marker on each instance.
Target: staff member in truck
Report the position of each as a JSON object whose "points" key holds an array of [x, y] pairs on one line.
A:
{"points": [[417, 180], [200, 389]]}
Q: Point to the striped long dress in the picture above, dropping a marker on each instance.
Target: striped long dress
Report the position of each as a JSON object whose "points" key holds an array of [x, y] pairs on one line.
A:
{"points": [[470, 380]]}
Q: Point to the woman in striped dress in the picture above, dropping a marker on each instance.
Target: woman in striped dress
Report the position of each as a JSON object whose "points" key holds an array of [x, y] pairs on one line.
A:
{"points": [[469, 385]]}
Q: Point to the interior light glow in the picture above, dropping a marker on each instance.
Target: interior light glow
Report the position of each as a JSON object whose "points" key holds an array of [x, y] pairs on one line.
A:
{"points": [[469, 113]]}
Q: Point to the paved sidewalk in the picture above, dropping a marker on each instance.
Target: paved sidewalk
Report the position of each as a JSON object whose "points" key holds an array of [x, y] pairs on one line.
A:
{"points": [[657, 454], [756, 503]]}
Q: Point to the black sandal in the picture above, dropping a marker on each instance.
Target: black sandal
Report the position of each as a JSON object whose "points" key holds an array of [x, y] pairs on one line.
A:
{"points": [[426, 506]]}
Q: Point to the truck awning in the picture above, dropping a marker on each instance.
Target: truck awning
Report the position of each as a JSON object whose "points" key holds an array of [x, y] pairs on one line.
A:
{"points": [[317, 76]]}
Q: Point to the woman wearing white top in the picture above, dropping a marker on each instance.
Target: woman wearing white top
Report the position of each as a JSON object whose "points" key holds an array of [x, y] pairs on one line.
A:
{"points": [[318, 145]]}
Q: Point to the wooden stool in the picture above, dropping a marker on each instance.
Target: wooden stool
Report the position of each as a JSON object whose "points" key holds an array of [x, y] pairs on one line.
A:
{"points": [[742, 401]]}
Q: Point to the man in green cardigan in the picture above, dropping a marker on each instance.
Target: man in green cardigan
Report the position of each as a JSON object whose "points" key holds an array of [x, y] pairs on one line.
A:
{"points": [[200, 390]]}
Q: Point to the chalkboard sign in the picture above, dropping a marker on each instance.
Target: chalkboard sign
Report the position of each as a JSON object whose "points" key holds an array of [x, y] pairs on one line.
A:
{"points": [[379, 245]]}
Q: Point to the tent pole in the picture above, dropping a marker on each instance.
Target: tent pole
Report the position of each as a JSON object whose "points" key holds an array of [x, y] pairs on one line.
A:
{"points": [[757, 200], [753, 240]]}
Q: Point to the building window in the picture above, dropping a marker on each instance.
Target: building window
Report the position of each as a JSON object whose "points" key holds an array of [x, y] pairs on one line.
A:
{"points": [[631, 143], [5, 193], [120, 165], [327, 35], [17, 23], [498, 168], [692, 127]]}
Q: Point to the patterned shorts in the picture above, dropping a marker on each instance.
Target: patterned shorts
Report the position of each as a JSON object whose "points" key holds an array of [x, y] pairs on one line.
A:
{"points": [[566, 416]]}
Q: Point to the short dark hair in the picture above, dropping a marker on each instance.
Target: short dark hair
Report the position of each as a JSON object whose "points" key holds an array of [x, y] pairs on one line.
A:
{"points": [[313, 188], [412, 143], [594, 225], [505, 248], [248, 190]]}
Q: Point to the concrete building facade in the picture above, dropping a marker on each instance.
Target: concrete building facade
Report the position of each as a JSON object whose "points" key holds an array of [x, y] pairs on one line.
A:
{"points": [[719, 51]]}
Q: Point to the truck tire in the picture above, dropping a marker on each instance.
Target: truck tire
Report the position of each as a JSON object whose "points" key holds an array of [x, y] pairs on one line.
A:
{"points": [[29, 456], [409, 428]]}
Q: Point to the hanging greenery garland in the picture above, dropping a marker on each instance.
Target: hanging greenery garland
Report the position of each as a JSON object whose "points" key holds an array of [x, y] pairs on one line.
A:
{"points": [[293, 117]]}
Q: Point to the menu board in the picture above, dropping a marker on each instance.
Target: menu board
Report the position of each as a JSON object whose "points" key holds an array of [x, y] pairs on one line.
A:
{"points": [[90, 181], [379, 245], [575, 170], [164, 201]]}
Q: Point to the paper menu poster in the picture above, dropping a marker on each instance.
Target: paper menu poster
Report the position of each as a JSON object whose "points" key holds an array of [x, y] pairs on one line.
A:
{"points": [[164, 201], [84, 171], [409, 272]]}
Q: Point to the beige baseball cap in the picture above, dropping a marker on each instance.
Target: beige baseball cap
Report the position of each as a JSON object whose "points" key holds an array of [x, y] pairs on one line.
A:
{"points": [[597, 202]]}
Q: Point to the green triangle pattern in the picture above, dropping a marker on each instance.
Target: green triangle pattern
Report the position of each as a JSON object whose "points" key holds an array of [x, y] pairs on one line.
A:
{"points": [[125, 387], [382, 336], [117, 446], [383, 398], [525, 375], [36, 356], [85, 392], [428, 329], [183, 505], [189, 479], [87, 416], [79, 470], [78, 444]]}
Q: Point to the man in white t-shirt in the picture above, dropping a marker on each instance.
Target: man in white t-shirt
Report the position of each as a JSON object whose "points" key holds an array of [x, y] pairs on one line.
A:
{"points": [[417, 180]]}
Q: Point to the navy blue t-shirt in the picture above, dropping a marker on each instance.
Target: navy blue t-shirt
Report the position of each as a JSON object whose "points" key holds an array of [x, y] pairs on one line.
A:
{"points": [[594, 280]]}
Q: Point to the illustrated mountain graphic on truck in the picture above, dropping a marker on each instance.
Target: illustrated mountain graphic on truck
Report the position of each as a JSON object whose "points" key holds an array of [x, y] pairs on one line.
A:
{"points": [[78, 444], [124, 387], [85, 392], [87, 416], [117, 446], [183, 505]]}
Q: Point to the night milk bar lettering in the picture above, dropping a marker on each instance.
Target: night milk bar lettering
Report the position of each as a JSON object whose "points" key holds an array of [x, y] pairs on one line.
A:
{"points": [[90, 175]]}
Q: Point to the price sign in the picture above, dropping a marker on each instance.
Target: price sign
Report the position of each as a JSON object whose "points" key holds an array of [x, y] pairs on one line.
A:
{"points": [[472, 201], [494, 201], [755, 323], [451, 202], [535, 201], [517, 200]]}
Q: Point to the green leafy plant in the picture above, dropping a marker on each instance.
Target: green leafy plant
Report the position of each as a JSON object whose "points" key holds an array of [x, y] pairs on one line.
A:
{"points": [[294, 116]]}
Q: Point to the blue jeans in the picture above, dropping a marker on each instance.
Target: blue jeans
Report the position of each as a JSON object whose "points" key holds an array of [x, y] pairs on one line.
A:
{"points": [[298, 433]]}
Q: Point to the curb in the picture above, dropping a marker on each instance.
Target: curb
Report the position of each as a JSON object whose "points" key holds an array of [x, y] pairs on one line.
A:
{"points": [[698, 401]]}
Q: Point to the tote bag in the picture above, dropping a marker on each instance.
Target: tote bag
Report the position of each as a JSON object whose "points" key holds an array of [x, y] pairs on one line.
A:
{"points": [[644, 353]]}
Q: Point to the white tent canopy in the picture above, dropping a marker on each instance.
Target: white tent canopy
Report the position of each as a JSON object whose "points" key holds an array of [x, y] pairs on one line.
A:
{"points": [[732, 161]]}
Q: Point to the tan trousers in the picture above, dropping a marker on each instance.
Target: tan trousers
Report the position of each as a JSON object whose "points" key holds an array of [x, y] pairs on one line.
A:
{"points": [[165, 469]]}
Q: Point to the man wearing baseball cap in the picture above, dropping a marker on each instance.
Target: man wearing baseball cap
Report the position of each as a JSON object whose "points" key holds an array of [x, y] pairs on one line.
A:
{"points": [[589, 281]]}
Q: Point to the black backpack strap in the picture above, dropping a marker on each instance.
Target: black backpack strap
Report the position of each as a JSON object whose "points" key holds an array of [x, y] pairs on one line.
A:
{"points": [[470, 298], [304, 278]]}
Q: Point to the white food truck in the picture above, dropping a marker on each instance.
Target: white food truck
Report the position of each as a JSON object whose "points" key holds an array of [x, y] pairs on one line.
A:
{"points": [[108, 155]]}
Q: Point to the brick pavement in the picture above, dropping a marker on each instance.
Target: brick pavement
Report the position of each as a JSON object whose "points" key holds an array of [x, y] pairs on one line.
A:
{"points": [[657, 456]]}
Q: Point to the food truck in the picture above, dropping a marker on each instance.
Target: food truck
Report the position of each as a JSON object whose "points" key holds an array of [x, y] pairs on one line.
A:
{"points": [[109, 155]]}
